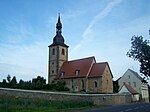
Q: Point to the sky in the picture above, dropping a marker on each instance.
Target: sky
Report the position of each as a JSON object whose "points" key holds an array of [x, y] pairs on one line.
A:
{"points": [[100, 28]]}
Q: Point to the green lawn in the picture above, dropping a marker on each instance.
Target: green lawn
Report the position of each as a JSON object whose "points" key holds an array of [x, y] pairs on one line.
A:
{"points": [[18, 104]]}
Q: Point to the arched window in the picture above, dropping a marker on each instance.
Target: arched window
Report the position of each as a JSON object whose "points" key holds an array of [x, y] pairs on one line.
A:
{"points": [[53, 51], [77, 72], [82, 83], [107, 81], [72, 85], [63, 52], [95, 84], [52, 71]]}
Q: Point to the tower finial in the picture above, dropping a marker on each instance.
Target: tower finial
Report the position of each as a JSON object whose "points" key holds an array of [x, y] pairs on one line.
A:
{"points": [[59, 25]]}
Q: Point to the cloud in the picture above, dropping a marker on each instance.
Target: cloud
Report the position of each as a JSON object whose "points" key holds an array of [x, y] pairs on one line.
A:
{"points": [[88, 34], [100, 16]]}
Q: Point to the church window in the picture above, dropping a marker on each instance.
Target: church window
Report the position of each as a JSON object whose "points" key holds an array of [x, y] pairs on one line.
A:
{"points": [[72, 84], [53, 51], [52, 71], [95, 84], [82, 83], [77, 72], [63, 52], [107, 81], [62, 74]]}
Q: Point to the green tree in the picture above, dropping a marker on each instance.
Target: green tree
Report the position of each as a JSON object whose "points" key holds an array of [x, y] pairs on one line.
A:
{"points": [[8, 78], [38, 83], [13, 82], [22, 84], [115, 86], [61, 86], [140, 51], [4, 83]]}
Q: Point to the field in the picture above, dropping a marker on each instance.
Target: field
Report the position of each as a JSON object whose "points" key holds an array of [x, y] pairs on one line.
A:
{"points": [[18, 104]]}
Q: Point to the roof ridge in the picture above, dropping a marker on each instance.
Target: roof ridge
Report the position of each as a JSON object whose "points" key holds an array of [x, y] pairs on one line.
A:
{"points": [[81, 59], [101, 63], [136, 74]]}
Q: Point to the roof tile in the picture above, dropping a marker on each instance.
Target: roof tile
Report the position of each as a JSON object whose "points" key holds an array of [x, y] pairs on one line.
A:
{"points": [[83, 65], [130, 89]]}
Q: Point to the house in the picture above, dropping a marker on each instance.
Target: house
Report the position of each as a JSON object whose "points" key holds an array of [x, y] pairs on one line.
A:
{"points": [[81, 74], [127, 89], [85, 74], [132, 78]]}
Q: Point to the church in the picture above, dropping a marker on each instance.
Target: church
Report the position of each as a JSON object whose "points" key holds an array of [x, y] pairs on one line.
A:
{"points": [[81, 74]]}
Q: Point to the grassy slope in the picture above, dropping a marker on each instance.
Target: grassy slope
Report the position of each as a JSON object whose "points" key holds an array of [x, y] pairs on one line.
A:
{"points": [[18, 104]]}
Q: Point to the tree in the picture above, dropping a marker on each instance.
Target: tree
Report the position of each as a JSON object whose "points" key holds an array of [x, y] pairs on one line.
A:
{"points": [[140, 51], [4, 83], [21, 84], [8, 78], [13, 82], [115, 86], [38, 83]]}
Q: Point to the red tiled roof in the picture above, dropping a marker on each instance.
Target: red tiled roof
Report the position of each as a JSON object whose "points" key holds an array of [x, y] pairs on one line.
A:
{"points": [[98, 69], [83, 65], [130, 89]]}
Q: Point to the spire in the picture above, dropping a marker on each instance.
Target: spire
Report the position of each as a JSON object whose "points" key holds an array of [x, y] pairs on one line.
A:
{"points": [[58, 25], [58, 39]]}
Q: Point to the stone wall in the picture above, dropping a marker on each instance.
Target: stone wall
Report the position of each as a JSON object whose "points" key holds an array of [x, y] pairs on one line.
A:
{"points": [[104, 99]]}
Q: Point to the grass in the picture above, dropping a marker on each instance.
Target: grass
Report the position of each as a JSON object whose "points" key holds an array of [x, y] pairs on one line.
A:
{"points": [[18, 104]]}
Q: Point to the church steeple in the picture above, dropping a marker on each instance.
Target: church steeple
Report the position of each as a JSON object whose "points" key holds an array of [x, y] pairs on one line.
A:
{"points": [[58, 39], [58, 53]]}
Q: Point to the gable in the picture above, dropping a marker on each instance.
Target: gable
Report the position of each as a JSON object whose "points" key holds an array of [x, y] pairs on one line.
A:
{"points": [[130, 76], [98, 69], [124, 90], [127, 88]]}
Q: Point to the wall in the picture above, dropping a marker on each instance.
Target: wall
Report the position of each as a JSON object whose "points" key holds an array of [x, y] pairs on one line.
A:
{"points": [[107, 82], [91, 85], [104, 99]]}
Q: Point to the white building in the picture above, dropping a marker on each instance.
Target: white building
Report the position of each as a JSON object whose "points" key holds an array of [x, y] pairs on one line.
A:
{"points": [[127, 89], [134, 80]]}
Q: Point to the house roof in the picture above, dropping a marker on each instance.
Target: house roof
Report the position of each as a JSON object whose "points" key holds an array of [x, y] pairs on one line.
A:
{"points": [[130, 89], [82, 65], [97, 69], [86, 67]]}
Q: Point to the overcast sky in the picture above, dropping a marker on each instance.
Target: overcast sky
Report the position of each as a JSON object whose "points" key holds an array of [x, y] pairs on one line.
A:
{"points": [[100, 28]]}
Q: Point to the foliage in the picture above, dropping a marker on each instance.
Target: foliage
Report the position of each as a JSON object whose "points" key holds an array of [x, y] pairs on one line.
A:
{"points": [[38, 83], [13, 82], [4, 83], [60, 86], [18, 104], [8, 78], [140, 50]]}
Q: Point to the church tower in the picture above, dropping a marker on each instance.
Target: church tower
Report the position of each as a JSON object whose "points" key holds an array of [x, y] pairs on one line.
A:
{"points": [[58, 53]]}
